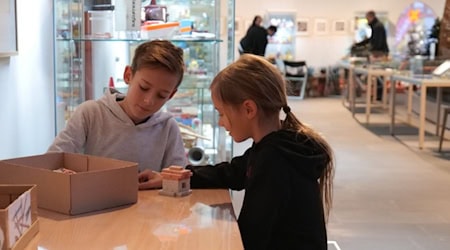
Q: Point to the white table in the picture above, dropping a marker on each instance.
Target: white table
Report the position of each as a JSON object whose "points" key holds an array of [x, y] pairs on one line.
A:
{"points": [[203, 220], [424, 83], [372, 73], [350, 65]]}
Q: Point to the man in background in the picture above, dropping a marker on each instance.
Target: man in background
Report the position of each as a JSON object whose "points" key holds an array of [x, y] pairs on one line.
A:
{"points": [[378, 47]]}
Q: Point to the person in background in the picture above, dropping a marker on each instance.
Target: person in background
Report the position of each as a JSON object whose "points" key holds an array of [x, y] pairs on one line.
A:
{"points": [[287, 173], [131, 127], [257, 21], [255, 40], [378, 47]]}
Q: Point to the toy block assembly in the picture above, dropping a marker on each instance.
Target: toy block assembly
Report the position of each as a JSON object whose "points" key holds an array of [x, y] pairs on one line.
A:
{"points": [[176, 181]]}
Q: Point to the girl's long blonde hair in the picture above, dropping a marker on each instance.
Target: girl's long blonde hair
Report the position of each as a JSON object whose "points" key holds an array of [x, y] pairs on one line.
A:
{"points": [[253, 77]]}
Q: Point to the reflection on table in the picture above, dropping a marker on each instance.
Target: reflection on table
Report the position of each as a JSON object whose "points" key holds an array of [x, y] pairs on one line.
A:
{"points": [[203, 220]]}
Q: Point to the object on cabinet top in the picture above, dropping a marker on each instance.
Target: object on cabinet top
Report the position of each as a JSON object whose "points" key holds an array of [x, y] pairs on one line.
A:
{"points": [[102, 5], [155, 11], [159, 30]]}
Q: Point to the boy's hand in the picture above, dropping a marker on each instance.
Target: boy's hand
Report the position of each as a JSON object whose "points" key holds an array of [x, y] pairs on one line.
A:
{"points": [[149, 179]]}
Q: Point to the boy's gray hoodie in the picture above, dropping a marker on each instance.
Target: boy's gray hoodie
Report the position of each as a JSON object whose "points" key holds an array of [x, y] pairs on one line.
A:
{"points": [[102, 128]]}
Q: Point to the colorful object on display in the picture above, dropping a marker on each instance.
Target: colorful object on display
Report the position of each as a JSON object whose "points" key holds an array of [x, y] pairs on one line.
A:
{"points": [[412, 29]]}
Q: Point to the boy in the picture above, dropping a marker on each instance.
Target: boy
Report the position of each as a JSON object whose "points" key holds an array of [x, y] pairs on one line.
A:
{"points": [[131, 127]]}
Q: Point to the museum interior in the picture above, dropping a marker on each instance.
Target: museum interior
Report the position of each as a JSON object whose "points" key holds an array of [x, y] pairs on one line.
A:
{"points": [[385, 114]]}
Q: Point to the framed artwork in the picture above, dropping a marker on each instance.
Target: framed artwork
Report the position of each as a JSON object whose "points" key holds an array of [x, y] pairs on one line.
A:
{"points": [[339, 27], [8, 28], [302, 27], [320, 26], [238, 26]]}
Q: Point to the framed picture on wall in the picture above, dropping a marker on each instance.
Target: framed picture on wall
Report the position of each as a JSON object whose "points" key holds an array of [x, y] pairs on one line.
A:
{"points": [[302, 27], [238, 26], [8, 28], [320, 26], [339, 27]]}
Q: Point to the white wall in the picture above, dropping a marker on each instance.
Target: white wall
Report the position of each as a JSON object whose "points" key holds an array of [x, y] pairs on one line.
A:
{"points": [[319, 51], [26, 84]]}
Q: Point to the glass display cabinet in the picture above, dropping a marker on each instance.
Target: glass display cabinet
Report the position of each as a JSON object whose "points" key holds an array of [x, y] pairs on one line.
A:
{"points": [[95, 40], [282, 44]]}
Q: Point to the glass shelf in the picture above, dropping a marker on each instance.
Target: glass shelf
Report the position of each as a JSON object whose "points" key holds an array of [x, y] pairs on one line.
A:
{"points": [[98, 39], [87, 64]]}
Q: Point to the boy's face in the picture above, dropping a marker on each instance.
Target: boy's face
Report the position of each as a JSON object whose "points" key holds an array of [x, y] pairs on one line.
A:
{"points": [[148, 90]]}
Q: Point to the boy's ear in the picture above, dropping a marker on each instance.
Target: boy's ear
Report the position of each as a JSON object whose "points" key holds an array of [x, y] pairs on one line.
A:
{"points": [[127, 74], [250, 108]]}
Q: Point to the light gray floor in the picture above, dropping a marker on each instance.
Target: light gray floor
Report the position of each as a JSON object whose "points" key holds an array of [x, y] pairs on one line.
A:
{"points": [[388, 194]]}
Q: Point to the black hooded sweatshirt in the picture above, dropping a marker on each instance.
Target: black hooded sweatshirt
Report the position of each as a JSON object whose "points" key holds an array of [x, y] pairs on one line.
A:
{"points": [[378, 39], [282, 207]]}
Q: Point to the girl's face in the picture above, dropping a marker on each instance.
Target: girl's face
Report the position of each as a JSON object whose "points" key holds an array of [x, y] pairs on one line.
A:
{"points": [[148, 90], [233, 120]]}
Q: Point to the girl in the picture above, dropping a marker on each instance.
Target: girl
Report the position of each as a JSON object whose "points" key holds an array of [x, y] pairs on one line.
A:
{"points": [[287, 173]]}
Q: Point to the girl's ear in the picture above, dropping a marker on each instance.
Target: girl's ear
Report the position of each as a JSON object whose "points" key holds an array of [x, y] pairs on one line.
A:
{"points": [[250, 108], [127, 74]]}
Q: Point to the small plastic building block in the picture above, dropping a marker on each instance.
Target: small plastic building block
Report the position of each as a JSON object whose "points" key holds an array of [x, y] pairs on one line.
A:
{"points": [[176, 181]]}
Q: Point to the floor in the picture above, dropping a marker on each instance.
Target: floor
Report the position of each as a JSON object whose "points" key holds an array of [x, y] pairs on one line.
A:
{"points": [[388, 194]]}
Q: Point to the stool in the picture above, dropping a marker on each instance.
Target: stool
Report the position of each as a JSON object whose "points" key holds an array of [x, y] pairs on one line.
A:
{"points": [[444, 122]]}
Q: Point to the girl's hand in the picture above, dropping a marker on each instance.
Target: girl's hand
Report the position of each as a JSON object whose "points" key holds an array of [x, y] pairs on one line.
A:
{"points": [[149, 179]]}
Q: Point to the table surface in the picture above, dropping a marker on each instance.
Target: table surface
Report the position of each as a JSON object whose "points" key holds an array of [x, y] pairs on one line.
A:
{"points": [[424, 82], [202, 220], [419, 79]]}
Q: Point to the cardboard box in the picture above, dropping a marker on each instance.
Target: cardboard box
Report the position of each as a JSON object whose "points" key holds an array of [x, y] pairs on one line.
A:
{"points": [[99, 182], [18, 216]]}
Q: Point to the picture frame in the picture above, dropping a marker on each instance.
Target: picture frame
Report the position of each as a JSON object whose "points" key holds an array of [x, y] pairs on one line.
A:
{"points": [[238, 26], [8, 27], [339, 27], [320, 26], [302, 27]]}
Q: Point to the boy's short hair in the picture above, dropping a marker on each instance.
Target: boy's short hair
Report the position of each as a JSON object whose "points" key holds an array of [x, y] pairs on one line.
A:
{"points": [[273, 28], [159, 54]]}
